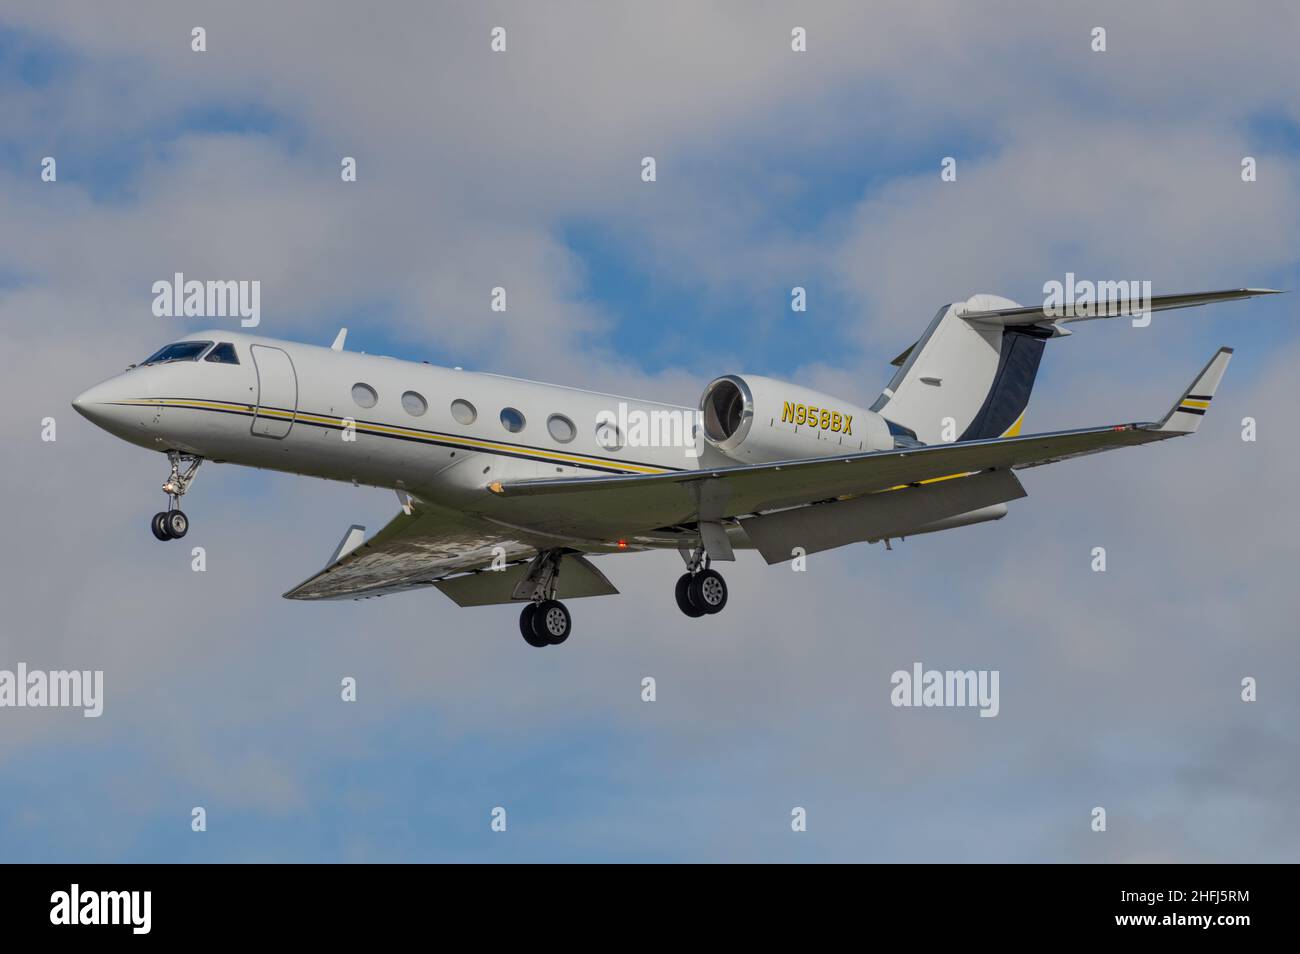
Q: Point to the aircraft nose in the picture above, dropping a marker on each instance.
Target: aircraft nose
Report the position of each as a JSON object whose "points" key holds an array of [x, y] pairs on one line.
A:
{"points": [[94, 403]]}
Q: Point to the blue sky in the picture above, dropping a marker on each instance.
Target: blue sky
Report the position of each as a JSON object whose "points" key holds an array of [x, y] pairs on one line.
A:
{"points": [[1119, 689]]}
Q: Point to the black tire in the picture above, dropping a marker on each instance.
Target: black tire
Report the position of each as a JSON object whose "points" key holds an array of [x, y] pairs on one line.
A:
{"points": [[159, 525], [684, 597], [177, 524], [552, 622], [526, 627], [708, 591]]}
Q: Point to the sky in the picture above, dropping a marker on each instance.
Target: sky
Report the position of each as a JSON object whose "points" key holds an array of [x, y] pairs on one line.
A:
{"points": [[522, 169]]}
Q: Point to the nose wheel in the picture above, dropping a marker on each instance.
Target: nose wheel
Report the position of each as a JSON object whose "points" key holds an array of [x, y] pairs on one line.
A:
{"points": [[169, 525], [172, 524]]}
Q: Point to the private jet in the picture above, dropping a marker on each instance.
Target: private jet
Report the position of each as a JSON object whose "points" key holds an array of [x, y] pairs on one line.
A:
{"points": [[509, 487]]}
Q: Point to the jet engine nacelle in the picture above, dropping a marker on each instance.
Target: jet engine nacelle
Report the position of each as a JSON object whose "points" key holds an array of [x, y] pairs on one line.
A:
{"points": [[753, 419]]}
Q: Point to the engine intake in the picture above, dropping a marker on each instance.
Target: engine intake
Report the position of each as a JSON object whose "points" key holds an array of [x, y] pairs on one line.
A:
{"points": [[753, 419], [728, 412]]}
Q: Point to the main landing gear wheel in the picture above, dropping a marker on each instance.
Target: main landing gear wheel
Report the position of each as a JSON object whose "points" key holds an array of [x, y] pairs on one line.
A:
{"points": [[684, 597], [701, 593], [547, 623], [552, 622], [526, 627], [707, 590]]}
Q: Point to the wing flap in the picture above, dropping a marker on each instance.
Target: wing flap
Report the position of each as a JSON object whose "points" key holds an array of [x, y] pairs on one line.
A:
{"points": [[876, 516]]}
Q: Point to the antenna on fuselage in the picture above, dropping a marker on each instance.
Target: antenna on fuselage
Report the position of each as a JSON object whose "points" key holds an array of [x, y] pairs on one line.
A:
{"points": [[341, 337]]}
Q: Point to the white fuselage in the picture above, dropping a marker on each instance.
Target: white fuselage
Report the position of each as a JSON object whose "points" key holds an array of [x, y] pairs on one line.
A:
{"points": [[292, 407]]}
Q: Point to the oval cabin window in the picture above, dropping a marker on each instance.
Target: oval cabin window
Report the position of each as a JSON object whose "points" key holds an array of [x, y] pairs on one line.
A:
{"points": [[561, 428], [512, 420], [415, 405], [364, 395], [463, 412]]}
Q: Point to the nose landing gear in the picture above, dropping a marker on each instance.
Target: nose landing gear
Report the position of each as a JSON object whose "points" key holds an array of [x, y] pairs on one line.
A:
{"points": [[172, 524], [169, 525]]}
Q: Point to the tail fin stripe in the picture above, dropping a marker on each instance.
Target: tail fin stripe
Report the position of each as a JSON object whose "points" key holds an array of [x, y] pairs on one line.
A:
{"points": [[1008, 397]]}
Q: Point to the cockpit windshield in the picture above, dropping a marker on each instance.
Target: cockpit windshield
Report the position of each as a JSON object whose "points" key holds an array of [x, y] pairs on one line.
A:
{"points": [[180, 351], [223, 353]]}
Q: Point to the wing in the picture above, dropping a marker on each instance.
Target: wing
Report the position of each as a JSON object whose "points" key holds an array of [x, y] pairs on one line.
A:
{"points": [[416, 549], [473, 564], [624, 504]]}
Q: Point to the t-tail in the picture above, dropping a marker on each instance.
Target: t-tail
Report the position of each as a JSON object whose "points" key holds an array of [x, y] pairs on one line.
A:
{"points": [[971, 374]]}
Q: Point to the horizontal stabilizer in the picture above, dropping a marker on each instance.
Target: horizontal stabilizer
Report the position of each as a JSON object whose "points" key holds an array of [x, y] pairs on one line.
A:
{"points": [[1105, 307]]}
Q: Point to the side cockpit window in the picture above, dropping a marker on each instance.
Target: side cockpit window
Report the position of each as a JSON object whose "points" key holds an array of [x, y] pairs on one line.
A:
{"points": [[223, 353], [180, 351]]}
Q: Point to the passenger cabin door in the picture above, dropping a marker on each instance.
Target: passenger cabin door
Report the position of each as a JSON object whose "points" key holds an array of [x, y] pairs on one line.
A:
{"points": [[277, 392]]}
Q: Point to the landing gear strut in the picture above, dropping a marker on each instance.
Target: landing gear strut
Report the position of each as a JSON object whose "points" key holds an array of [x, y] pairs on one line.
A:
{"points": [[545, 621], [700, 591], [172, 524]]}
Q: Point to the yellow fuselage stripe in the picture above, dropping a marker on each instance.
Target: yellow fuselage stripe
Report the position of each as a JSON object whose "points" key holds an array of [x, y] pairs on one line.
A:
{"points": [[403, 432]]}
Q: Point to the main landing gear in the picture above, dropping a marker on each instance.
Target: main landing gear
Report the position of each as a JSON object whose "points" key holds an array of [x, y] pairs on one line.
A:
{"points": [[700, 591], [545, 621], [172, 524]]}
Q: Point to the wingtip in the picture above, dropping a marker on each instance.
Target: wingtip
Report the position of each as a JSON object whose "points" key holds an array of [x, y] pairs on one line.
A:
{"points": [[1186, 414]]}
